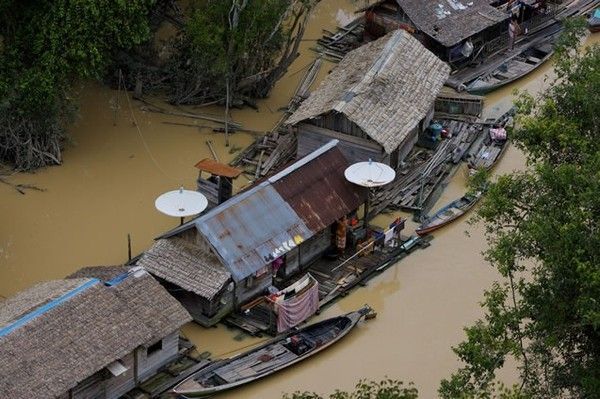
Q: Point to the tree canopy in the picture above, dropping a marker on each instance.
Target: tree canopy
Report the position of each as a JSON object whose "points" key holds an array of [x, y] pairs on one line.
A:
{"points": [[247, 45], [45, 47], [365, 389], [220, 49], [543, 228]]}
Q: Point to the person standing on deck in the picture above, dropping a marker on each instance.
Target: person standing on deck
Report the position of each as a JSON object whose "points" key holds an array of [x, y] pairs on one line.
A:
{"points": [[340, 236], [513, 30]]}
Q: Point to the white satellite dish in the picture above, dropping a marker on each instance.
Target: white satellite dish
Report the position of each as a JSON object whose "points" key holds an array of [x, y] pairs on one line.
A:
{"points": [[181, 203], [370, 174]]}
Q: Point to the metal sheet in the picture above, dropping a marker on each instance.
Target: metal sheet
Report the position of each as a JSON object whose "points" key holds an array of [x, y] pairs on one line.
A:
{"points": [[251, 229], [319, 193], [217, 168]]}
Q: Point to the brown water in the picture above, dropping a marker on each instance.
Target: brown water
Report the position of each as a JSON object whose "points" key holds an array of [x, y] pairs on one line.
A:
{"points": [[106, 189]]}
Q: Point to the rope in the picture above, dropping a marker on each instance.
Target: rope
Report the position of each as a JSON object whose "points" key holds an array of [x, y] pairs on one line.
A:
{"points": [[137, 127]]}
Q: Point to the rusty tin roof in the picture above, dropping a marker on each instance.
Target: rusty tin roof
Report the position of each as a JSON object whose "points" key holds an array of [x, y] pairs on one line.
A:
{"points": [[319, 193], [258, 225], [217, 168], [252, 229]]}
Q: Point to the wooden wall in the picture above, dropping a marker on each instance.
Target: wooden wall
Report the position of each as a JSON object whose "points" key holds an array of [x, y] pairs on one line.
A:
{"points": [[148, 364], [92, 387], [103, 384], [338, 122], [118, 385], [355, 149], [292, 263], [203, 312], [314, 247], [251, 287]]}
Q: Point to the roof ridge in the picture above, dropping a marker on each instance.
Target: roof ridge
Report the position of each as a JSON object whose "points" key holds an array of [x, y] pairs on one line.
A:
{"points": [[385, 55], [42, 309]]}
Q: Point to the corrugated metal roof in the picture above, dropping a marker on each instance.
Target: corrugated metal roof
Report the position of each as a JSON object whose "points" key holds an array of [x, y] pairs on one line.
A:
{"points": [[318, 191], [251, 229], [450, 22]]}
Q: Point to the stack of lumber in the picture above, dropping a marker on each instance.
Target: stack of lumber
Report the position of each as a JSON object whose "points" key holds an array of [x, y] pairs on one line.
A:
{"points": [[302, 92], [278, 147], [336, 45], [266, 153], [424, 172]]}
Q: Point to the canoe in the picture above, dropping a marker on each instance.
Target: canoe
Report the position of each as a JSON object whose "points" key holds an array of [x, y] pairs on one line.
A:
{"points": [[594, 21], [513, 68], [485, 153], [266, 359], [448, 213]]}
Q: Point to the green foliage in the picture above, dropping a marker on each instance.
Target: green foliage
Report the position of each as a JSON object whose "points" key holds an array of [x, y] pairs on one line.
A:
{"points": [[234, 39], [543, 228], [562, 125], [386, 389], [46, 46]]}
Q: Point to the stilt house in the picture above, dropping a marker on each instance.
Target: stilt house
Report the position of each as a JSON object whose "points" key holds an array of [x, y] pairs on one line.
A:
{"points": [[193, 275], [281, 225], [455, 30], [84, 337], [376, 101]]}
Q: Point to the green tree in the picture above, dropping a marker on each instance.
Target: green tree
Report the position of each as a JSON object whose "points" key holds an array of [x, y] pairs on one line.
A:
{"points": [[45, 46], [386, 389], [543, 228], [237, 47]]}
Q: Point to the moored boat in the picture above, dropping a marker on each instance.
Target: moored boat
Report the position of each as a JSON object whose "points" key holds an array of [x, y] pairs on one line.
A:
{"points": [[513, 68], [594, 21], [266, 359], [448, 213], [487, 151]]}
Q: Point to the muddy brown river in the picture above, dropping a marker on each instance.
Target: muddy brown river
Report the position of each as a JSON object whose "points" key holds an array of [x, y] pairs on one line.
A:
{"points": [[106, 189]]}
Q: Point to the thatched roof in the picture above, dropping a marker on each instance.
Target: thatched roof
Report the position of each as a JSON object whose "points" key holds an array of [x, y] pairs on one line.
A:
{"points": [[103, 273], [57, 333], [450, 25], [385, 87], [186, 265]]}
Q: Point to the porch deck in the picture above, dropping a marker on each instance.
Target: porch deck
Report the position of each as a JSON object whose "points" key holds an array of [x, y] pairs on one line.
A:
{"points": [[336, 277]]}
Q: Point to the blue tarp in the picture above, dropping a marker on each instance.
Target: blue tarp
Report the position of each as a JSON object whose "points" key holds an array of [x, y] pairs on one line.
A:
{"points": [[48, 306]]}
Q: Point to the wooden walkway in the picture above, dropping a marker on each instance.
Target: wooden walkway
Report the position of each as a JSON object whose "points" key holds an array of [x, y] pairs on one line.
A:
{"points": [[336, 279], [425, 173]]}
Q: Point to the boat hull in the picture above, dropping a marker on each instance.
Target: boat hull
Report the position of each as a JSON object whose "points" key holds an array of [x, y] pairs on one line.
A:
{"points": [[448, 214], [594, 21], [190, 388], [516, 68]]}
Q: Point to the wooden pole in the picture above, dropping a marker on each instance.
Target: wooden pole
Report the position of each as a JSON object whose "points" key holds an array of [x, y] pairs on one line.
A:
{"points": [[227, 110], [367, 212], [116, 104], [212, 150], [128, 247]]}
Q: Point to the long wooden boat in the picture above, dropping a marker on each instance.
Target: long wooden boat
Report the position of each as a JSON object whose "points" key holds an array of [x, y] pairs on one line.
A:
{"points": [[448, 213], [594, 21], [514, 67], [275, 355]]}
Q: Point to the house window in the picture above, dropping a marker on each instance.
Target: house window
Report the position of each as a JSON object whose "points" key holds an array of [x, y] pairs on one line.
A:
{"points": [[156, 347]]}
